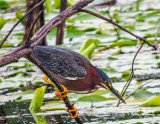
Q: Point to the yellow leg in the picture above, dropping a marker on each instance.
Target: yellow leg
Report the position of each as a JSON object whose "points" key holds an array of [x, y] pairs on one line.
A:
{"points": [[72, 110], [59, 94], [62, 95], [45, 78]]}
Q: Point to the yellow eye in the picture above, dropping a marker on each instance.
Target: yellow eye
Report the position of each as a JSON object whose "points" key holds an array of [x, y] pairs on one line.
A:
{"points": [[108, 83]]}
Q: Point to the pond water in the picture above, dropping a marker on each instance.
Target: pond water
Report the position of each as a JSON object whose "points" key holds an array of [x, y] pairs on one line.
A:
{"points": [[19, 80]]}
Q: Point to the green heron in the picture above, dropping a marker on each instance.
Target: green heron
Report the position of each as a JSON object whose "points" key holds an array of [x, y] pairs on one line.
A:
{"points": [[73, 71]]}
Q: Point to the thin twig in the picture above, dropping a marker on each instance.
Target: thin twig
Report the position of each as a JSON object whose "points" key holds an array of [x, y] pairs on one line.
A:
{"points": [[140, 87], [2, 42], [118, 36], [131, 75], [155, 40], [33, 24], [111, 21], [60, 29]]}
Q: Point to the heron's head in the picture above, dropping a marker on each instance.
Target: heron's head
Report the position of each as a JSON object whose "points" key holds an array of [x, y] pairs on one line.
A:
{"points": [[106, 83]]}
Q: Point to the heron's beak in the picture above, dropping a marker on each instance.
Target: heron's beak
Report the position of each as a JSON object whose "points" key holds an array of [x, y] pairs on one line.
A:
{"points": [[110, 88]]}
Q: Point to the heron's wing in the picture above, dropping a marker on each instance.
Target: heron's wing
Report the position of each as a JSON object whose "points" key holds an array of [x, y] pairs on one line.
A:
{"points": [[60, 62]]}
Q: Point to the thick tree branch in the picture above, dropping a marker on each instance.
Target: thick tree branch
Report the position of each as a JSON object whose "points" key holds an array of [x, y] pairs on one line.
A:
{"points": [[14, 56], [42, 32]]}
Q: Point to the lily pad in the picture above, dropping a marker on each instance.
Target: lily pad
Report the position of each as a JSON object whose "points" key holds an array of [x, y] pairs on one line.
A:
{"points": [[88, 47], [2, 22], [143, 93], [92, 98], [153, 101], [48, 6], [58, 2], [123, 43], [101, 92], [19, 15], [53, 105], [4, 4], [37, 100]]}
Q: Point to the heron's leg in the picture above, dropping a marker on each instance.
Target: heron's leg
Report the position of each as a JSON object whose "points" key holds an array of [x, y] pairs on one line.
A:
{"points": [[59, 94], [45, 78], [62, 95], [72, 110]]}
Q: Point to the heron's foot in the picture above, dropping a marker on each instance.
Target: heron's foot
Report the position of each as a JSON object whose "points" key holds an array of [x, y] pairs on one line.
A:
{"points": [[45, 78], [72, 110], [63, 94]]}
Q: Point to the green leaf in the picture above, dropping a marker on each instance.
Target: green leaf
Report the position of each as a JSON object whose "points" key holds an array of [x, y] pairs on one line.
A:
{"points": [[101, 92], [140, 19], [112, 58], [125, 75], [143, 93], [2, 22], [53, 105], [5, 45], [123, 43], [17, 73], [37, 100], [153, 101], [40, 119], [88, 47], [90, 29], [4, 4], [57, 3], [24, 93], [48, 6], [157, 112], [0, 80], [92, 98], [71, 2], [19, 15]]}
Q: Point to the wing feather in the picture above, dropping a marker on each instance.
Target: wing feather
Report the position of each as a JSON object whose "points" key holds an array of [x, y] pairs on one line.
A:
{"points": [[60, 62]]}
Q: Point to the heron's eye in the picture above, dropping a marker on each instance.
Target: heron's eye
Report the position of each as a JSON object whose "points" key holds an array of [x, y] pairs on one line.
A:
{"points": [[108, 83]]}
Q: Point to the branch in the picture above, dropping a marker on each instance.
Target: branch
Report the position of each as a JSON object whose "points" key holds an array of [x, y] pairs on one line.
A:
{"points": [[111, 21], [42, 32], [155, 40], [131, 75], [37, 40], [118, 36], [33, 24], [2, 42], [60, 29], [14, 56]]}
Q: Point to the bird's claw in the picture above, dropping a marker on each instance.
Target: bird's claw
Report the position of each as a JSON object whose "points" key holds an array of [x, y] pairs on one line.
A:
{"points": [[45, 78], [72, 110], [63, 94]]}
